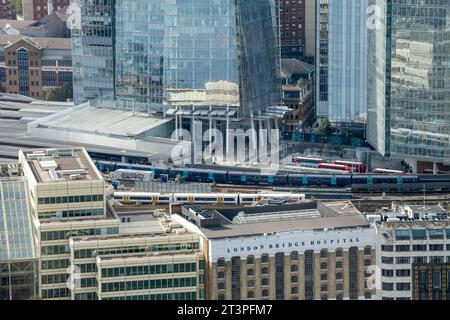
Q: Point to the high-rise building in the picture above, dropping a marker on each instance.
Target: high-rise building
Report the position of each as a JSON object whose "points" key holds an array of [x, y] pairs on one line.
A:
{"points": [[157, 54], [341, 66], [291, 21], [37, 9], [408, 84]]}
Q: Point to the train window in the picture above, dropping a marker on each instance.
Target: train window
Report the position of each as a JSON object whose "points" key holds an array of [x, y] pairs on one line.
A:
{"points": [[244, 178], [333, 181], [305, 180], [163, 198], [182, 198], [270, 179], [211, 176], [229, 199]]}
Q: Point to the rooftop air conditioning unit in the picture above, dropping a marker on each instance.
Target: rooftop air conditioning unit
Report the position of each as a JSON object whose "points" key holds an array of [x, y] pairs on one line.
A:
{"points": [[75, 176]]}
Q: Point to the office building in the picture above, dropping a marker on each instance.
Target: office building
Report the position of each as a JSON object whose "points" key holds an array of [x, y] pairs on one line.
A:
{"points": [[286, 252], [291, 22], [161, 56], [81, 247], [413, 253], [408, 87], [37, 9], [341, 61], [7, 10], [33, 66]]}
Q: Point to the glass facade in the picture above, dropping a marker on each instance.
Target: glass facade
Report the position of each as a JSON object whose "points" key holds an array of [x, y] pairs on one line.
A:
{"points": [[191, 52], [342, 55], [92, 49], [409, 107]]}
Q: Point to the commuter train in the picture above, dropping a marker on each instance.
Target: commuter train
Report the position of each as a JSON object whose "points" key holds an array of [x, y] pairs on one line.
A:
{"points": [[358, 182], [152, 198]]}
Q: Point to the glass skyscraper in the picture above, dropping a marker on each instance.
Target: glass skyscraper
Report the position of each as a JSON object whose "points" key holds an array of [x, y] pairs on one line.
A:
{"points": [[342, 66], [197, 52], [409, 80]]}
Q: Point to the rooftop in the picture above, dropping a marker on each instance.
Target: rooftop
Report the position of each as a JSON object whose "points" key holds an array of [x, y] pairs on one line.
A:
{"points": [[41, 43], [57, 165], [286, 218], [291, 66], [16, 241], [104, 121]]}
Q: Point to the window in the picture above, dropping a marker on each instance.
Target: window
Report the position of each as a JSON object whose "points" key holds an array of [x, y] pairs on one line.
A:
{"points": [[436, 247], [402, 234], [221, 262], [251, 283], [402, 248], [419, 234], [403, 272], [294, 279], [339, 276], [294, 290], [387, 286], [339, 287], [338, 253], [387, 260], [265, 293], [403, 286], [323, 277], [339, 265], [264, 282], [436, 233], [294, 256], [419, 247], [403, 260], [387, 248], [221, 275], [265, 258], [387, 273], [250, 294], [265, 270], [324, 265], [250, 272], [367, 262], [323, 254], [367, 251], [221, 286], [294, 268], [250, 260]]}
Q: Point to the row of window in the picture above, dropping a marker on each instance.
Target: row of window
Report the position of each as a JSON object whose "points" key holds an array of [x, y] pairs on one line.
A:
{"points": [[54, 278], [55, 264], [421, 234], [149, 284], [406, 260], [153, 269], [92, 253], [66, 234], [160, 296], [415, 247], [400, 286], [70, 199], [71, 213]]}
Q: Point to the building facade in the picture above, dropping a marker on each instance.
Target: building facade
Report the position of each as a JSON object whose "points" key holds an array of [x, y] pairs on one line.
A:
{"points": [[408, 114], [292, 28], [341, 64], [279, 255], [298, 95], [32, 66], [85, 251], [7, 10], [37, 9], [144, 52]]}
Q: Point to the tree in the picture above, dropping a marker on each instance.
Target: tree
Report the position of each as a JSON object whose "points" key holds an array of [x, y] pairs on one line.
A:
{"points": [[59, 94], [325, 127]]}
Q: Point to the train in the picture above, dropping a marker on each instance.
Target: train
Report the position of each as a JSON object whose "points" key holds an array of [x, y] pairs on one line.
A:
{"points": [[153, 198], [356, 181]]}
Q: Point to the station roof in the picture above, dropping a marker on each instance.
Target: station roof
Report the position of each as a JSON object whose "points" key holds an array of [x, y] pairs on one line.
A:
{"points": [[103, 121], [16, 231]]}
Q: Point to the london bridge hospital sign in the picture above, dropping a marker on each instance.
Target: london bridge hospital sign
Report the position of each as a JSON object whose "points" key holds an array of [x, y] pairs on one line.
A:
{"points": [[292, 241]]}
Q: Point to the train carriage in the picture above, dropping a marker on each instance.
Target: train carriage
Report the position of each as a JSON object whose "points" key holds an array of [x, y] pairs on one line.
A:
{"points": [[257, 178], [319, 180], [199, 175]]}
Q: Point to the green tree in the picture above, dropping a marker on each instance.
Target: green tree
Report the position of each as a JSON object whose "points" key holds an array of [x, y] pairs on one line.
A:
{"points": [[59, 94], [325, 127]]}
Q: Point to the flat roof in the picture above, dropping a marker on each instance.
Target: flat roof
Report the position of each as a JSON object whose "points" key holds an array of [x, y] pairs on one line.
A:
{"points": [[56, 165], [103, 121], [337, 215], [16, 226]]}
